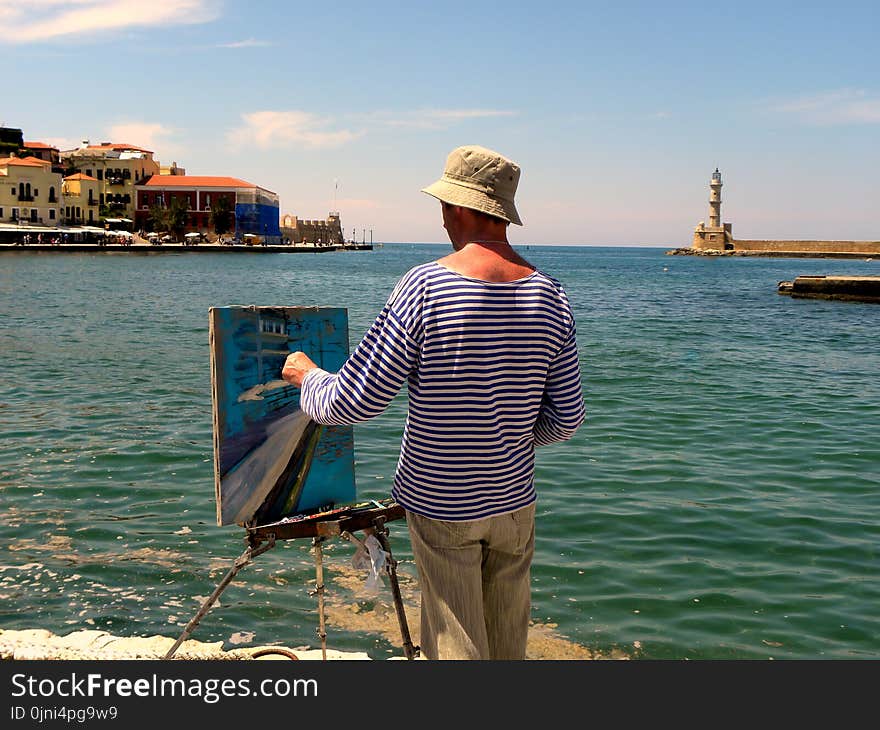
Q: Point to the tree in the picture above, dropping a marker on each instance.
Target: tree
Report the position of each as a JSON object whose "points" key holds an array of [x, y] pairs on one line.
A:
{"points": [[221, 216], [159, 218], [178, 214]]}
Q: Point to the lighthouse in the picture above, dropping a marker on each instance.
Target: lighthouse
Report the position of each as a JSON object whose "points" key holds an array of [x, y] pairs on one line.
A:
{"points": [[715, 200], [716, 236]]}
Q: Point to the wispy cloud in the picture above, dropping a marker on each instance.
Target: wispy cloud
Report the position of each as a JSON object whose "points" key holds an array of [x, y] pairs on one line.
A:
{"points": [[436, 118], [43, 20], [843, 106], [152, 136], [268, 129], [249, 43]]}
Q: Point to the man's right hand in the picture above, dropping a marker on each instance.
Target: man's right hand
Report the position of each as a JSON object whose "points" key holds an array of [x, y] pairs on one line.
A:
{"points": [[296, 366]]}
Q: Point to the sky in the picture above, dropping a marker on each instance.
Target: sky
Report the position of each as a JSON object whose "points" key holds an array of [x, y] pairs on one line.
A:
{"points": [[617, 112]]}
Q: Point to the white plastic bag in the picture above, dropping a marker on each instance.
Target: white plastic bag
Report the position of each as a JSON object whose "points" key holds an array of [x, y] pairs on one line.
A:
{"points": [[373, 559]]}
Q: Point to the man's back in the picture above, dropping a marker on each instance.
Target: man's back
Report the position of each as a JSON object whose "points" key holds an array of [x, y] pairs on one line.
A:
{"points": [[476, 392]]}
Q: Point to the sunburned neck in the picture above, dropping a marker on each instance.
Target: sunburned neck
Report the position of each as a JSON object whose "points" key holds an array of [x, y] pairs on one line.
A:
{"points": [[488, 260]]}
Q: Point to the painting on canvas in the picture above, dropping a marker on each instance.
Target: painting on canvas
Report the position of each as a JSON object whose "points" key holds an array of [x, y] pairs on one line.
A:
{"points": [[270, 459]]}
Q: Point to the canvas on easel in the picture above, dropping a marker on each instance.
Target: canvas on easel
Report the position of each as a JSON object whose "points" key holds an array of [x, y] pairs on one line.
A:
{"points": [[270, 459]]}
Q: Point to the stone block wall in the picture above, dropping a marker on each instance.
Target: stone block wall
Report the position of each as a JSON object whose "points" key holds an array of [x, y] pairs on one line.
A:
{"points": [[865, 247]]}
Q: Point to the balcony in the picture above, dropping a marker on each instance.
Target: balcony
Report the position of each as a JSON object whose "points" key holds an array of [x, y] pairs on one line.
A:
{"points": [[114, 180], [25, 198]]}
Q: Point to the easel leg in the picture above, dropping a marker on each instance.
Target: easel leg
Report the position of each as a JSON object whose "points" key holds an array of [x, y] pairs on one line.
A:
{"points": [[410, 651], [246, 557], [319, 589]]}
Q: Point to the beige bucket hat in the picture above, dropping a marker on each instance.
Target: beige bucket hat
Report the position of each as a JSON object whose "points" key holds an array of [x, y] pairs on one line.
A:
{"points": [[479, 179]]}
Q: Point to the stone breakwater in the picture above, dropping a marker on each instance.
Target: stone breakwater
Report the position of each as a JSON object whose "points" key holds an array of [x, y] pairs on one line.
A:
{"points": [[687, 251]]}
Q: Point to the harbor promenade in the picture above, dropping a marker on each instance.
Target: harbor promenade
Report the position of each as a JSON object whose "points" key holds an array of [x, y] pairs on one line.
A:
{"points": [[165, 248]]}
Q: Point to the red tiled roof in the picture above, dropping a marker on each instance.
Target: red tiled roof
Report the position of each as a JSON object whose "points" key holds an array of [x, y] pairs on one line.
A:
{"points": [[24, 162], [81, 176], [196, 181], [39, 146]]}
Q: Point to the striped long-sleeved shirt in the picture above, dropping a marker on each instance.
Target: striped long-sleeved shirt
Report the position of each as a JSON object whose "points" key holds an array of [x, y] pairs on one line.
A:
{"points": [[492, 371]]}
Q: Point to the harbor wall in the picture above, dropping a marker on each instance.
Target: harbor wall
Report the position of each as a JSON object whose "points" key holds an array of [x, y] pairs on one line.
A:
{"points": [[860, 247]]}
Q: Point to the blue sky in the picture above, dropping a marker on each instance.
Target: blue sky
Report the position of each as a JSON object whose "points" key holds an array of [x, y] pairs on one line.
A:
{"points": [[618, 112]]}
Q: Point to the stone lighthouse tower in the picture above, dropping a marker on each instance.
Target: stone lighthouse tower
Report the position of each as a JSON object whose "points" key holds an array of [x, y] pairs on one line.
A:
{"points": [[715, 200], [717, 235]]}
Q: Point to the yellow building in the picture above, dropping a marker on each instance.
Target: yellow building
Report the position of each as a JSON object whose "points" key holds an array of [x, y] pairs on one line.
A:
{"points": [[29, 191], [117, 169], [171, 169], [80, 195]]}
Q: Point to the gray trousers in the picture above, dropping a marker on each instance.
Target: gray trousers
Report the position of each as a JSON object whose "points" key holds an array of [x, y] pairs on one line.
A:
{"points": [[475, 584]]}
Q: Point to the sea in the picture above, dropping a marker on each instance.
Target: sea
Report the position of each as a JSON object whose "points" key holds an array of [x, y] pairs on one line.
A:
{"points": [[722, 500]]}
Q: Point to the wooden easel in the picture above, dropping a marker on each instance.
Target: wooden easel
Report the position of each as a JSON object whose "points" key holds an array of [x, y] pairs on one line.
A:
{"points": [[338, 522]]}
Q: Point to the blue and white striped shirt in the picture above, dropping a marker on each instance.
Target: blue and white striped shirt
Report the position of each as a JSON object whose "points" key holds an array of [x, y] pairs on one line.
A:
{"points": [[492, 371]]}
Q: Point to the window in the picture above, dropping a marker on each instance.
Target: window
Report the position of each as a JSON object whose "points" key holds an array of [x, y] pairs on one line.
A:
{"points": [[101, 198], [272, 326], [89, 172], [52, 195], [51, 214], [100, 174], [1, 213]]}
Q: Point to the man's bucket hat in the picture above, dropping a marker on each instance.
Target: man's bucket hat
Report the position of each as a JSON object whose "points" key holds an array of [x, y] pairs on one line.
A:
{"points": [[479, 179]]}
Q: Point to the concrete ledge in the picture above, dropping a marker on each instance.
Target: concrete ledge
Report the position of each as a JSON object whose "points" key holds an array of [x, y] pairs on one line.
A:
{"points": [[91, 644], [845, 288]]}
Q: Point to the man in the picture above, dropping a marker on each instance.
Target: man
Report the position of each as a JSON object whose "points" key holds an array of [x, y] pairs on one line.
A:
{"points": [[486, 344]]}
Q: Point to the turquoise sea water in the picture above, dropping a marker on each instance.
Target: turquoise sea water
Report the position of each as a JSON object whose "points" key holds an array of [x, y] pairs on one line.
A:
{"points": [[722, 500]]}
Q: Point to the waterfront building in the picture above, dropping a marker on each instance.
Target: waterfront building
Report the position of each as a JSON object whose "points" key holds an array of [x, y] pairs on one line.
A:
{"points": [[80, 194], [45, 152], [118, 168], [30, 191], [254, 209], [11, 141], [327, 232]]}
